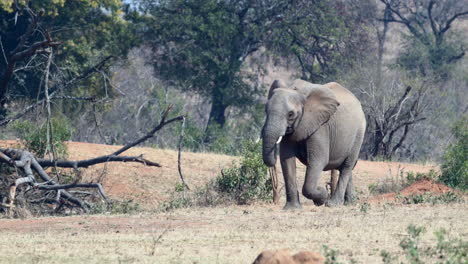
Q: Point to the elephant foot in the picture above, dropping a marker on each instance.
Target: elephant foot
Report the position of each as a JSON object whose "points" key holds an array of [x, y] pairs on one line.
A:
{"points": [[318, 195], [318, 202], [333, 203], [289, 206], [349, 200]]}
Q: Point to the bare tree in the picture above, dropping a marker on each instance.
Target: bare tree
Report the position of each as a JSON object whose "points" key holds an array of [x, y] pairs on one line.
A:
{"points": [[428, 21]]}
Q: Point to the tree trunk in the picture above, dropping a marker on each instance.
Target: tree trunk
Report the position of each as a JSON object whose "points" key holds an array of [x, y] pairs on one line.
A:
{"points": [[217, 117], [216, 120], [382, 37]]}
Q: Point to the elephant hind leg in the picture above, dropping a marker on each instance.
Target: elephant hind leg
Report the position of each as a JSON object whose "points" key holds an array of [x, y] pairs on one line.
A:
{"points": [[349, 194], [338, 197], [334, 181]]}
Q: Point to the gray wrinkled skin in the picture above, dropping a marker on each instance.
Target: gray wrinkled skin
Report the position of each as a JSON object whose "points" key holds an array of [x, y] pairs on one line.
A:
{"points": [[321, 125]]}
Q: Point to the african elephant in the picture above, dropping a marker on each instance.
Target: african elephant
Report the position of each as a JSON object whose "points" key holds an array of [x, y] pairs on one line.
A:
{"points": [[321, 125]]}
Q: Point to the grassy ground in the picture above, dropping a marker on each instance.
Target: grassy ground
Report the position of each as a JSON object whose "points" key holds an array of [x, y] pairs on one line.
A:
{"points": [[230, 234], [235, 234]]}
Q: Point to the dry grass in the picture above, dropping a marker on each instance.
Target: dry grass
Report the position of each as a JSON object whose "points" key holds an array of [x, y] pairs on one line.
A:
{"points": [[232, 234], [221, 235]]}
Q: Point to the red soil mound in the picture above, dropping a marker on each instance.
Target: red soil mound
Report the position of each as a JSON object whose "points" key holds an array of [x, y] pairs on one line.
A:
{"points": [[419, 187]]}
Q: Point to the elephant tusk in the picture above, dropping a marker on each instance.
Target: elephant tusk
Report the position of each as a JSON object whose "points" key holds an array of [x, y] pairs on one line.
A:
{"points": [[279, 140]]}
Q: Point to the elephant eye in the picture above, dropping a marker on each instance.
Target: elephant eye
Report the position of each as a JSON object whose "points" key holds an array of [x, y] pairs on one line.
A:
{"points": [[290, 114]]}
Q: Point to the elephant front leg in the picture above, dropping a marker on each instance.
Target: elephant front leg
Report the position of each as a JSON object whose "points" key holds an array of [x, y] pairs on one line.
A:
{"points": [[311, 190], [288, 165]]}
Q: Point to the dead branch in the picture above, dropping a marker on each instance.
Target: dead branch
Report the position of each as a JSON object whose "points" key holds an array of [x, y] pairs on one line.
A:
{"points": [[179, 167], [55, 88], [275, 184], [97, 160], [28, 164], [404, 113], [150, 134], [26, 161], [114, 156]]}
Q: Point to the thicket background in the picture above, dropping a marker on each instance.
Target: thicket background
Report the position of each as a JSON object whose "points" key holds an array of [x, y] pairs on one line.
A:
{"points": [[214, 60]]}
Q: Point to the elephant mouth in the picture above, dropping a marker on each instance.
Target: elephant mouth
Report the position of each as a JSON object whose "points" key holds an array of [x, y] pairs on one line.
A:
{"points": [[289, 130]]}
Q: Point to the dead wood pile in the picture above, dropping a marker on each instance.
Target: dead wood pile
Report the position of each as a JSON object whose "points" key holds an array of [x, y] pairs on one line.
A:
{"points": [[53, 193]]}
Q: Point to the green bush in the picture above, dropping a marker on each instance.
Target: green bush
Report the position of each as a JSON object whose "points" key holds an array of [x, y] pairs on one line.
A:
{"points": [[455, 161], [243, 183], [126, 206], [249, 181], [412, 177], [34, 137], [448, 197], [396, 184], [447, 250]]}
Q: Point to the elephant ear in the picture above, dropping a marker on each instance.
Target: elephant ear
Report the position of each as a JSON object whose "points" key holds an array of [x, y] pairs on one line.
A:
{"points": [[319, 107], [276, 84]]}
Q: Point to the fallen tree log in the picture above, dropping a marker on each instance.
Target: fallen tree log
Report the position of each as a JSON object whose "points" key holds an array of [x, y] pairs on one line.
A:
{"points": [[28, 168]]}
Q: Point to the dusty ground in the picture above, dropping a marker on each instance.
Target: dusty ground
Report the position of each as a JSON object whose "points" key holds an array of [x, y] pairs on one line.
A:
{"points": [[233, 234]]}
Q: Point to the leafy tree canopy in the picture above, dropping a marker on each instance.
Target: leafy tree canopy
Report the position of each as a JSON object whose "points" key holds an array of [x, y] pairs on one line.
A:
{"points": [[202, 45], [81, 33]]}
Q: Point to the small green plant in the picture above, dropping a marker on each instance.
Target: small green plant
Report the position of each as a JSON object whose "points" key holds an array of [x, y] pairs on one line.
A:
{"points": [[397, 184], [176, 202], [447, 197], [179, 187], [455, 162], [249, 181], [447, 251], [364, 207], [450, 250], [412, 177], [34, 137], [331, 255], [126, 206], [410, 244], [387, 185], [387, 257]]}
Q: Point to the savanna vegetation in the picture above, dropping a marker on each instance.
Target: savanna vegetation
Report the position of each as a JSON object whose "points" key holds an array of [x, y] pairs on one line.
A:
{"points": [[102, 65]]}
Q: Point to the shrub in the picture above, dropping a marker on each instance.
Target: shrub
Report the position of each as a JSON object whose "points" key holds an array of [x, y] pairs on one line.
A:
{"points": [[242, 184], [126, 206], [396, 184], [448, 197], [455, 162], [249, 181], [412, 177], [34, 137], [447, 250]]}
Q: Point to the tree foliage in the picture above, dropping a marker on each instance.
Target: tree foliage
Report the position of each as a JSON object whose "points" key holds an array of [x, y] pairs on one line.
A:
{"points": [[431, 47], [202, 45], [455, 164], [78, 33]]}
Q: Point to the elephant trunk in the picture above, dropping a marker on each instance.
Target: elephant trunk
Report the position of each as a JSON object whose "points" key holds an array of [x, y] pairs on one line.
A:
{"points": [[271, 135]]}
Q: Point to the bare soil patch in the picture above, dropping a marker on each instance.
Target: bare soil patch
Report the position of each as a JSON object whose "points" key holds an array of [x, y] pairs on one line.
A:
{"points": [[423, 186]]}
